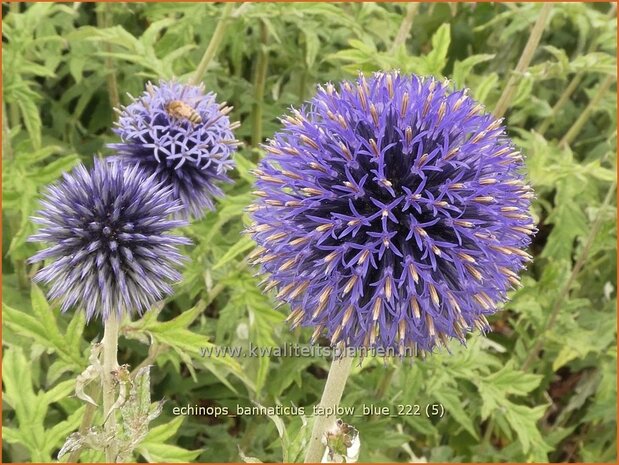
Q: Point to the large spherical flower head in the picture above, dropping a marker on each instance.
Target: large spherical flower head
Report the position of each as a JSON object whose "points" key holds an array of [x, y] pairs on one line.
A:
{"points": [[110, 249], [392, 213], [184, 136]]}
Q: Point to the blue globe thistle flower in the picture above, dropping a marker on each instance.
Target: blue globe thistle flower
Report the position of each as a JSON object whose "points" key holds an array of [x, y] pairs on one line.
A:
{"points": [[183, 136], [391, 213], [110, 250]]}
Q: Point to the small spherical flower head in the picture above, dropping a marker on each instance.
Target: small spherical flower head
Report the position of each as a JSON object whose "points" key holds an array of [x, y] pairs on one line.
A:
{"points": [[391, 213], [183, 136], [110, 248]]}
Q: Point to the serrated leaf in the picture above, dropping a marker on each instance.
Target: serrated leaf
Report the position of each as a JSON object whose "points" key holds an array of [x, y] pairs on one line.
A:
{"points": [[569, 221], [164, 432], [513, 381], [60, 391], [463, 68], [595, 63], [49, 325], [485, 86], [186, 343], [312, 46], [30, 407], [30, 114], [51, 171], [495, 388], [449, 398], [24, 325], [524, 422], [44, 314], [244, 244], [36, 69], [155, 452], [437, 58], [11, 435], [56, 434]]}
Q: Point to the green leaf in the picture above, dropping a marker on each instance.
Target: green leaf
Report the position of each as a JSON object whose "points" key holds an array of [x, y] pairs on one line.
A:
{"points": [[51, 171], [36, 69], [43, 329], [495, 388], [245, 166], [455, 407], [312, 46], [559, 54], [513, 381], [282, 432], [31, 408], [11, 435], [59, 391], [164, 432], [50, 327], [25, 325], [25, 99], [186, 343], [244, 244], [437, 58], [153, 448], [155, 452], [524, 422], [569, 221], [463, 68], [485, 86], [595, 63], [44, 314], [151, 34], [59, 432]]}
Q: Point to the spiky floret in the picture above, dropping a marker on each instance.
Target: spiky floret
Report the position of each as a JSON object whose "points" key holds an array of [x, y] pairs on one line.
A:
{"points": [[110, 250], [391, 213], [188, 145]]}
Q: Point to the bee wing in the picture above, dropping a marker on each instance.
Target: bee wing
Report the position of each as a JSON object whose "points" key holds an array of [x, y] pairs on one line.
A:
{"points": [[193, 101], [184, 88]]}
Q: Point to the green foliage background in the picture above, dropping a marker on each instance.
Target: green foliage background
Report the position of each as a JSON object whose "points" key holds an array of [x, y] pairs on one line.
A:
{"points": [[61, 64]]}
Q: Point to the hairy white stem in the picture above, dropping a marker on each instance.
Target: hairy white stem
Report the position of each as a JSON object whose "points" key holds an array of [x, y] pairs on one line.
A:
{"points": [[110, 364], [331, 396]]}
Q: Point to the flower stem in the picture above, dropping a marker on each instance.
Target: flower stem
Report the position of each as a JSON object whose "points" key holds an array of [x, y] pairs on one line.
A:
{"points": [[110, 363], [523, 62], [259, 82], [572, 86], [331, 396], [571, 134], [565, 290], [405, 26], [385, 382], [7, 150], [104, 21], [213, 45], [565, 97]]}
